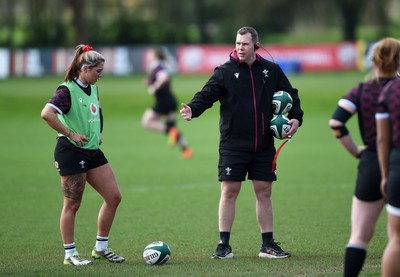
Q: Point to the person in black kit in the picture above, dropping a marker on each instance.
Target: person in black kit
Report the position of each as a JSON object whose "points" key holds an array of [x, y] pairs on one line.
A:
{"points": [[367, 201], [388, 141], [162, 117], [244, 86]]}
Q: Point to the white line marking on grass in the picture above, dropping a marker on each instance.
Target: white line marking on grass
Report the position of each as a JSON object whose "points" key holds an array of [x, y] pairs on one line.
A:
{"points": [[148, 188]]}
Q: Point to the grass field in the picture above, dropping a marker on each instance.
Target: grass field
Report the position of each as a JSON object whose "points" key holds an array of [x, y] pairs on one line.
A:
{"points": [[175, 200]]}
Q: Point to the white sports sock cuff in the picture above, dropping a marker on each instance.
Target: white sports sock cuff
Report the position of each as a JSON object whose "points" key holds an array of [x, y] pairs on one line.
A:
{"points": [[69, 245], [349, 245], [393, 210]]}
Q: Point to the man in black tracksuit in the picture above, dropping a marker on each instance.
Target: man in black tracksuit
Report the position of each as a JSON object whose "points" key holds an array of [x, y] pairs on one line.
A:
{"points": [[244, 86]]}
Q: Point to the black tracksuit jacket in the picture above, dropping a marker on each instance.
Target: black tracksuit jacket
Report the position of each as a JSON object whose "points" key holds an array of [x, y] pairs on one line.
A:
{"points": [[245, 96]]}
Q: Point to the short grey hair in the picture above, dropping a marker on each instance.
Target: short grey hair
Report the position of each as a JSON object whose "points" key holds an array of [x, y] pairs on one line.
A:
{"points": [[251, 30]]}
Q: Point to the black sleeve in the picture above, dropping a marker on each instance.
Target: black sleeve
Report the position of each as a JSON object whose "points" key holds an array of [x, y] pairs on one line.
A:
{"points": [[101, 120], [209, 94], [101, 112], [295, 112]]}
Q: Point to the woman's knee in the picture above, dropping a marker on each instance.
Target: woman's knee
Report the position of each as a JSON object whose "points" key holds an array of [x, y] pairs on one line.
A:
{"points": [[72, 205], [114, 200], [118, 199], [147, 118], [145, 122]]}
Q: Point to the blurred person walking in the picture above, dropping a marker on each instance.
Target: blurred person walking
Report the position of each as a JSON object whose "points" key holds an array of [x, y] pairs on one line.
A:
{"points": [[75, 113], [368, 201], [244, 86], [162, 116], [388, 141]]}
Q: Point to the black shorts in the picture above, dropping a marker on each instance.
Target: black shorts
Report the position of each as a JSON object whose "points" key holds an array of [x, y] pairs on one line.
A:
{"points": [[393, 184], [70, 159], [368, 184], [235, 165], [165, 106]]}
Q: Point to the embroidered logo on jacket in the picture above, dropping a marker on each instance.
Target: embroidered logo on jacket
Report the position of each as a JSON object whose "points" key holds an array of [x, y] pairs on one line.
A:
{"points": [[237, 75], [265, 73]]}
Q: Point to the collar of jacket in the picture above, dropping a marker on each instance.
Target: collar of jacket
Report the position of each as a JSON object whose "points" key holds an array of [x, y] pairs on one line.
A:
{"points": [[235, 56]]}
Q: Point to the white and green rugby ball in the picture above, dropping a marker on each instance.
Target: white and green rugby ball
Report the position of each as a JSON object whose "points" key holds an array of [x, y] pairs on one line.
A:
{"points": [[282, 102], [279, 126], [156, 253]]}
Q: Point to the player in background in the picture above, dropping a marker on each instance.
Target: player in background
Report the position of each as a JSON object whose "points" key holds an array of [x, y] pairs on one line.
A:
{"points": [[162, 116], [388, 129], [367, 201], [75, 113], [244, 87]]}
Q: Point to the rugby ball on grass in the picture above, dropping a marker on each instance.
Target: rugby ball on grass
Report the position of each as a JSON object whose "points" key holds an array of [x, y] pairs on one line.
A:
{"points": [[282, 102], [156, 253], [279, 126]]}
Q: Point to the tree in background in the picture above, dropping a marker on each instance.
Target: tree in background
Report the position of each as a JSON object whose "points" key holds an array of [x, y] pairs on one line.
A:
{"points": [[79, 20], [352, 11], [27, 23]]}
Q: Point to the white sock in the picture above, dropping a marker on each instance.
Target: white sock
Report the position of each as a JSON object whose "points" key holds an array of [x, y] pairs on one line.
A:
{"points": [[69, 249], [101, 243]]}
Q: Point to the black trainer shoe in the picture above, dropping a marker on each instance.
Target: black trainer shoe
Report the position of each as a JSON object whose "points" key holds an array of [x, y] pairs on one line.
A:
{"points": [[222, 252], [273, 251]]}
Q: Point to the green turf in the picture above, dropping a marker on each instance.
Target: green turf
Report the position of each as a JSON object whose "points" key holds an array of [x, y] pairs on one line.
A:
{"points": [[171, 199]]}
